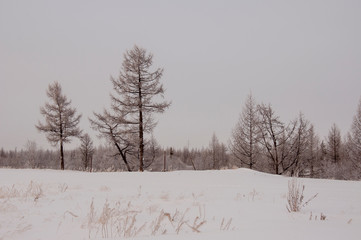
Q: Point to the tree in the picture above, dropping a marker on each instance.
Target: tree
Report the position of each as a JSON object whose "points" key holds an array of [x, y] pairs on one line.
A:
{"points": [[244, 143], [272, 132], [114, 128], [313, 152], [215, 148], [296, 161], [135, 90], [87, 151], [31, 153], [152, 149], [284, 145], [354, 138], [334, 144], [61, 121], [2, 153]]}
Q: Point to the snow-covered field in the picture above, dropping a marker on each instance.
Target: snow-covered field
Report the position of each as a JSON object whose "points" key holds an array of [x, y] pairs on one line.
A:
{"points": [[228, 204]]}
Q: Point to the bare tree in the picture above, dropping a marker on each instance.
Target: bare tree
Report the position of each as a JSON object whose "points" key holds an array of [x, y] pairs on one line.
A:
{"points": [[313, 152], [334, 144], [135, 89], [114, 129], [244, 143], [296, 161], [87, 151], [215, 148], [273, 136], [284, 145], [31, 153], [153, 149], [354, 138], [61, 121]]}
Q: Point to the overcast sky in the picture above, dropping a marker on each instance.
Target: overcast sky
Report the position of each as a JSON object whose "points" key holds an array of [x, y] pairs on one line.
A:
{"points": [[297, 55]]}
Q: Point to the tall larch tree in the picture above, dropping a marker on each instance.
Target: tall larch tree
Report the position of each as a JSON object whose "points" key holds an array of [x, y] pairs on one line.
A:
{"points": [[61, 120], [244, 143], [136, 90]]}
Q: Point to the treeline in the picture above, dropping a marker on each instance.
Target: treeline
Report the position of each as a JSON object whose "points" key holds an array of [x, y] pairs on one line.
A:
{"points": [[106, 158], [262, 141]]}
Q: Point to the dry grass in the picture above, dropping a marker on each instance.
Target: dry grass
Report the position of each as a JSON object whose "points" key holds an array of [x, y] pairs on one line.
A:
{"points": [[6, 192], [253, 195], [322, 217], [33, 191], [113, 221], [225, 225], [157, 224], [121, 221], [295, 196], [63, 187]]}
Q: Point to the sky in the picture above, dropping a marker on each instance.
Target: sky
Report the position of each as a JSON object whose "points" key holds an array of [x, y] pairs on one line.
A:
{"points": [[299, 56]]}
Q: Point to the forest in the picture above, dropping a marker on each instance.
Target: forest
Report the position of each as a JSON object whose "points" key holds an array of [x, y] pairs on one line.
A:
{"points": [[260, 140]]}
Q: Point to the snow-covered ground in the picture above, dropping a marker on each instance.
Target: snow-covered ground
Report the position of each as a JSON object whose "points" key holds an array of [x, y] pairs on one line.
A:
{"points": [[228, 204]]}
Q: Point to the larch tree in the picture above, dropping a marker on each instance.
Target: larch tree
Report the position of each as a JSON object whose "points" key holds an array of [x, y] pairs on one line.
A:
{"points": [[313, 152], [136, 90], [334, 144], [87, 151], [354, 138], [31, 153], [215, 149], [244, 143], [61, 120]]}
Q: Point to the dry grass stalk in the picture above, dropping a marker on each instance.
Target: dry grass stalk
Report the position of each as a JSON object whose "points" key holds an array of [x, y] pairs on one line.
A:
{"points": [[63, 187], [34, 190], [117, 222], [295, 196], [225, 226], [181, 221], [199, 220]]}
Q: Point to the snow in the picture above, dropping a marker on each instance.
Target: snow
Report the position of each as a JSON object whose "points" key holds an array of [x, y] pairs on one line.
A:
{"points": [[226, 204]]}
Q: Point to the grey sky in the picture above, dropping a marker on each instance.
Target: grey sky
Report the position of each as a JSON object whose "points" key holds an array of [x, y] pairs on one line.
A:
{"points": [[297, 55]]}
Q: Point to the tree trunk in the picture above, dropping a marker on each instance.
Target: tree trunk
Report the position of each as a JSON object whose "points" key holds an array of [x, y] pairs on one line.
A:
{"points": [[124, 156], [61, 155], [91, 164], [194, 166], [164, 161], [86, 160], [141, 140]]}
